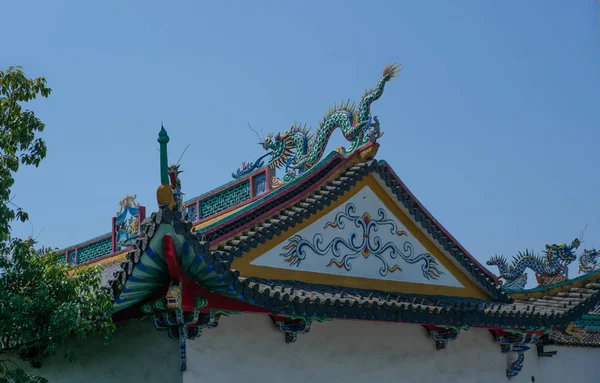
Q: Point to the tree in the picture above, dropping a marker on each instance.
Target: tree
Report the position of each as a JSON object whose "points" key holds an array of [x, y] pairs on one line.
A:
{"points": [[42, 301], [17, 139]]}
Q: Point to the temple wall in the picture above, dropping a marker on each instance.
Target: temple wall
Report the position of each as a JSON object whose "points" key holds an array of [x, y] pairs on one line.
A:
{"points": [[138, 353], [248, 348]]}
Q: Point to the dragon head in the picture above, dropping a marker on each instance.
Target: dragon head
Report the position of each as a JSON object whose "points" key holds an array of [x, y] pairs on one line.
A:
{"points": [[280, 147], [588, 261], [174, 175], [563, 252]]}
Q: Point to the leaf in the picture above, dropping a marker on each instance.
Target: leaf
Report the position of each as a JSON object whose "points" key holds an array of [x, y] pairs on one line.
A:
{"points": [[41, 306]]}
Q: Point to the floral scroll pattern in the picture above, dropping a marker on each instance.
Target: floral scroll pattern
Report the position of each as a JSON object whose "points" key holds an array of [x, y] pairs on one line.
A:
{"points": [[368, 244]]}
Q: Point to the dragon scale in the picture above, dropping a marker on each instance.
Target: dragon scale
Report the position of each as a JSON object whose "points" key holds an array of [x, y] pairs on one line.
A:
{"points": [[549, 269], [510, 272], [588, 261]]}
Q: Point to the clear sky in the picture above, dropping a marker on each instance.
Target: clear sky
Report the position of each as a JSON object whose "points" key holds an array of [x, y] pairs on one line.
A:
{"points": [[493, 123]]}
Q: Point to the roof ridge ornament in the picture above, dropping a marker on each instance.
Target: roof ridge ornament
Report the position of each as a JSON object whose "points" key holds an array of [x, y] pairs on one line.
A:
{"points": [[128, 201], [164, 194], [297, 150], [550, 268]]}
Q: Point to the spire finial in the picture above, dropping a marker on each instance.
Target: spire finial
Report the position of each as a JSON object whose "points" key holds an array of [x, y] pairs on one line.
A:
{"points": [[163, 139], [164, 194]]}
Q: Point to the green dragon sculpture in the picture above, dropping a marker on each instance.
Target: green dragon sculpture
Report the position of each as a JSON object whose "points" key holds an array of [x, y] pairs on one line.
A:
{"points": [[549, 269], [297, 150]]}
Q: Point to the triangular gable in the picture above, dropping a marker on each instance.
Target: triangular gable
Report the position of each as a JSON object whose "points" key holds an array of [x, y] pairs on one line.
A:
{"points": [[362, 240]]}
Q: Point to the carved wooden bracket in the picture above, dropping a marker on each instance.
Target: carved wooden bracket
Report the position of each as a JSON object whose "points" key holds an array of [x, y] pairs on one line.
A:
{"points": [[515, 343], [443, 334]]}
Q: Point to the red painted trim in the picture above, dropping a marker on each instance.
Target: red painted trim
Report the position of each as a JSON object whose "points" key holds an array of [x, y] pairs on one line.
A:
{"points": [[208, 218], [217, 301], [220, 189], [278, 207], [252, 187], [270, 174], [90, 241], [250, 200], [171, 257], [141, 217], [436, 222], [504, 332]]}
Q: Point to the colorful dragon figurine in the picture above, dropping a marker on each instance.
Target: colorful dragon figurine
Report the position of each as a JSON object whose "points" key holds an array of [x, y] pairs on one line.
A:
{"points": [[298, 150], [175, 183], [549, 269], [588, 261]]}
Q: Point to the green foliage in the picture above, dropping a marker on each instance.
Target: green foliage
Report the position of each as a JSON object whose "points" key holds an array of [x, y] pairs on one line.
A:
{"points": [[10, 372], [18, 144], [42, 302]]}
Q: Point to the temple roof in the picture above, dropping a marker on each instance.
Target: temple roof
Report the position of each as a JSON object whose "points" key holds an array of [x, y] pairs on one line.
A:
{"points": [[210, 255], [243, 231], [339, 237]]}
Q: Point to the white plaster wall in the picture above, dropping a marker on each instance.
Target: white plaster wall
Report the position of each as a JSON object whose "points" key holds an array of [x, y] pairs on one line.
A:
{"points": [[248, 348], [138, 353], [377, 264]]}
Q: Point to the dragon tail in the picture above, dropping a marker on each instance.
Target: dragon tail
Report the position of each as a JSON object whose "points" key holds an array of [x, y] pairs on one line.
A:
{"points": [[371, 95], [390, 71]]}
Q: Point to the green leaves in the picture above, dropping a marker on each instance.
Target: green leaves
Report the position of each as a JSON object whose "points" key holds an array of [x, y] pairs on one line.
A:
{"points": [[11, 373], [18, 144], [42, 302]]}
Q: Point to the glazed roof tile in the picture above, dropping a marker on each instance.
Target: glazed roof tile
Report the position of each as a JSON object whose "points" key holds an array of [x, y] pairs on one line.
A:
{"points": [[286, 208], [306, 299], [281, 210], [587, 339], [340, 302]]}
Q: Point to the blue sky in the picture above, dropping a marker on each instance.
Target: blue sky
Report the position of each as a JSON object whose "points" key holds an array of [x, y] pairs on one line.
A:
{"points": [[493, 123]]}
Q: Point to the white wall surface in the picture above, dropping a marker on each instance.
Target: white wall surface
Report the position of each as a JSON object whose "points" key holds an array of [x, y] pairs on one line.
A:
{"points": [[138, 353], [375, 265], [248, 348]]}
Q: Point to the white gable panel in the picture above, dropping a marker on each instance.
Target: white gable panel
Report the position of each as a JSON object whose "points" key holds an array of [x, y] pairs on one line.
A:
{"points": [[363, 239]]}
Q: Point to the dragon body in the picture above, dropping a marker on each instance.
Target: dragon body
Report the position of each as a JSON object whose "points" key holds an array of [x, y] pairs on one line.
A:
{"points": [[588, 261], [297, 149], [550, 268]]}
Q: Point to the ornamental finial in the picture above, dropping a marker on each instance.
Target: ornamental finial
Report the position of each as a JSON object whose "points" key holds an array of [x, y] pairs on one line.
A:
{"points": [[164, 194]]}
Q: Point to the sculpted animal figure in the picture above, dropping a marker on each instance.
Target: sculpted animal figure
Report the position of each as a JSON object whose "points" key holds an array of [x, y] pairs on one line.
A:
{"points": [[175, 183], [588, 261], [549, 269], [297, 149]]}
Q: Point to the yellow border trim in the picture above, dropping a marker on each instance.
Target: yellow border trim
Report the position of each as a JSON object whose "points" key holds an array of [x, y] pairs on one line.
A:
{"points": [[470, 289]]}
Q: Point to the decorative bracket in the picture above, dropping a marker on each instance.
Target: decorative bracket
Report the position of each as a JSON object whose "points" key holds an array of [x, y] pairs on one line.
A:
{"points": [[544, 341], [291, 326], [184, 325], [515, 342], [443, 334]]}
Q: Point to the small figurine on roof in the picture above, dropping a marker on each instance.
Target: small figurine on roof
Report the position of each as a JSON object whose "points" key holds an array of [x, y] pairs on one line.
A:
{"points": [[173, 296]]}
